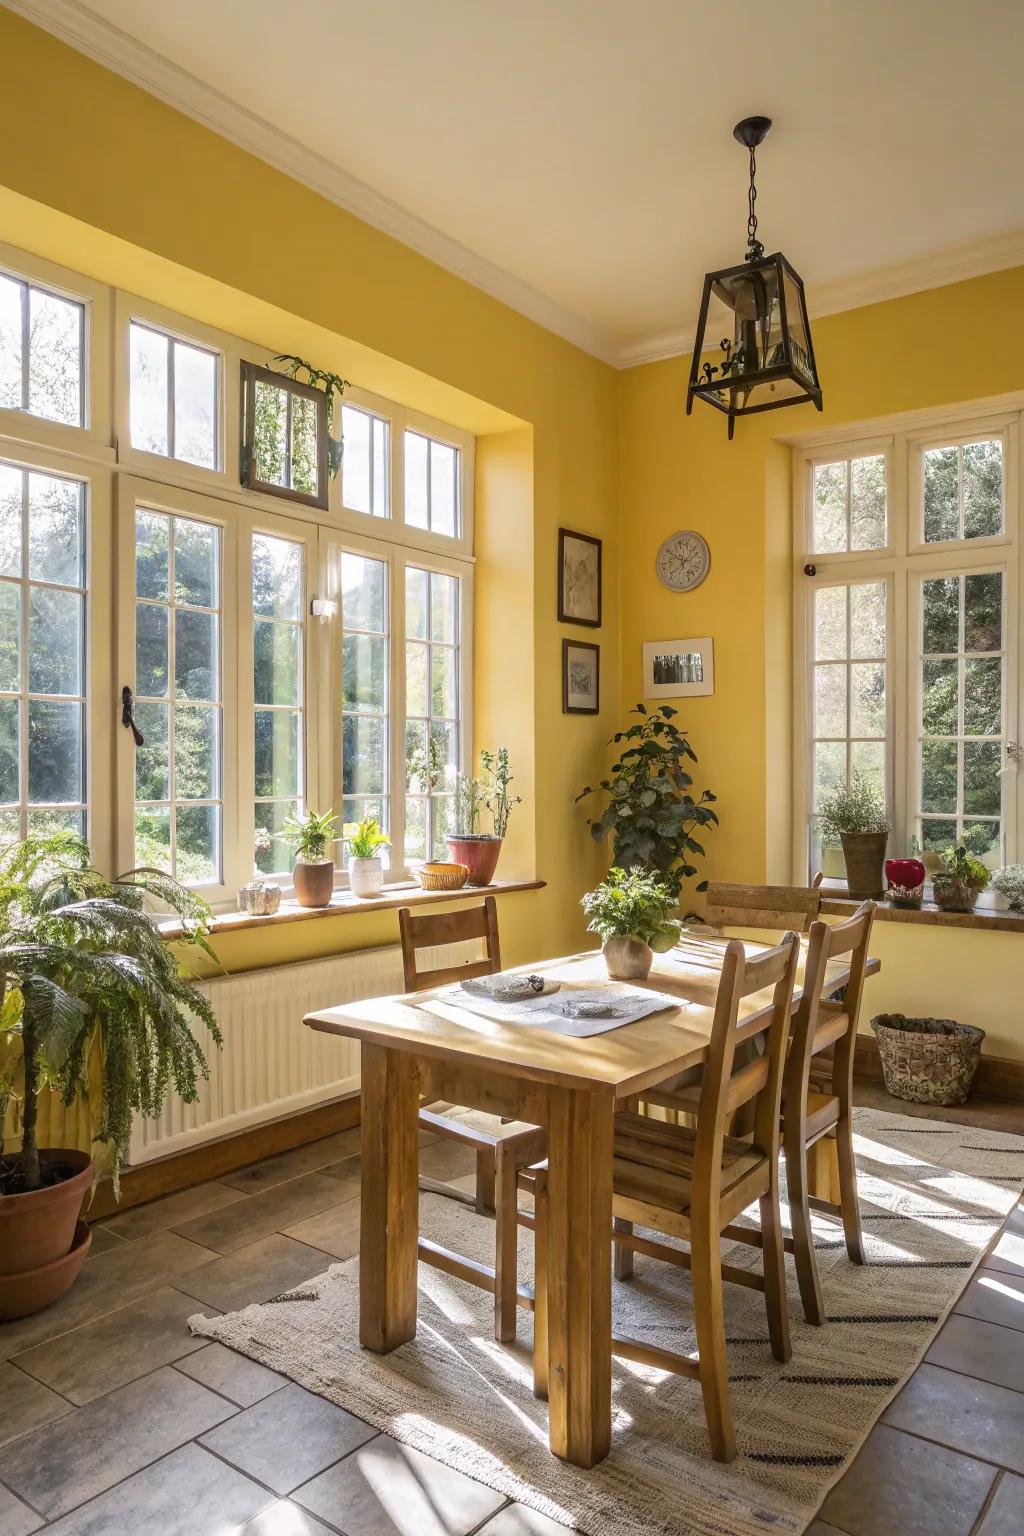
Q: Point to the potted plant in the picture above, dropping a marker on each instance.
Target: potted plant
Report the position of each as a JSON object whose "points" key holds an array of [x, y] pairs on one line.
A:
{"points": [[313, 872], [365, 865], [79, 957], [957, 885], [631, 914], [652, 814], [1009, 882], [480, 851], [854, 815]]}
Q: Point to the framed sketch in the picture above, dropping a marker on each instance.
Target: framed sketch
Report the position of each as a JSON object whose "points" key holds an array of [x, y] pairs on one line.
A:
{"points": [[679, 669], [579, 578], [581, 678]]}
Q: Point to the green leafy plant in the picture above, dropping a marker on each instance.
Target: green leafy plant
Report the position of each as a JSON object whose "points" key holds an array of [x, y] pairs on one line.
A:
{"points": [[652, 813], [364, 838], [851, 808], [635, 905], [309, 835], [1009, 882], [80, 956], [961, 865], [469, 802], [333, 386], [496, 780]]}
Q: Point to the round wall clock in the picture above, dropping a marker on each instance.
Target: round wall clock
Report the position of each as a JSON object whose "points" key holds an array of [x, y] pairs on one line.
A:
{"points": [[683, 561]]}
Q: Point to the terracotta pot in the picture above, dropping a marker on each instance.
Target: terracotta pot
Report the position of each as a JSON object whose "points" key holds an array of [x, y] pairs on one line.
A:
{"points": [[628, 959], [34, 1289], [314, 883], [36, 1232], [366, 876], [864, 855], [479, 853]]}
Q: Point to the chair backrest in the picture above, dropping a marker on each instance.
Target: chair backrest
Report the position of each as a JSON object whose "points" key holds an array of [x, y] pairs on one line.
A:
{"points": [[727, 1087], [827, 942], [762, 906], [449, 928]]}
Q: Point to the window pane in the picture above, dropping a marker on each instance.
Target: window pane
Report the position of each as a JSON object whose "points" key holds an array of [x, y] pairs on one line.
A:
{"points": [[277, 753], [363, 755], [55, 357], [12, 490], [9, 752], [195, 563], [982, 837], [152, 761], [941, 493], [942, 615], [867, 502], [276, 663], [444, 741], [417, 512], [982, 790], [54, 752], [10, 637], [830, 701], [276, 578], [304, 445], [364, 673], [444, 608], [867, 699], [415, 827], [278, 733], [937, 836], [442, 489], [362, 593], [983, 489], [153, 837], [365, 690], [151, 653], [197, 841], [867, 758], [417, 767], [55, 526], [983, 698], [415, 603], [443, 681], [272, 854], [830, 623], [54, 641], [939, 776], [195, 656], [195, 405], [196, 752], [10, 343], [442, 817], [983, 612], [867, 619], [149, 383], [152, 546], [831, 487], [356, 463], [939, 698], [270, 445]]}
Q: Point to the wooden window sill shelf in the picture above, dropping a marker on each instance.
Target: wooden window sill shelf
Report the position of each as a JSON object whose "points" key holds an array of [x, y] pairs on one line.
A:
{"points": [[983, 919], [344, 904]]}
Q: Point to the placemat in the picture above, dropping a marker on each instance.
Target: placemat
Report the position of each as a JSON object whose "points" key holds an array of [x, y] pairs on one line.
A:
{"points": [[546, 1012]]}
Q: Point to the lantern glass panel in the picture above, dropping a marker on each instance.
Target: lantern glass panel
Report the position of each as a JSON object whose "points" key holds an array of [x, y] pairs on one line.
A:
{"points": [[796, 324]]}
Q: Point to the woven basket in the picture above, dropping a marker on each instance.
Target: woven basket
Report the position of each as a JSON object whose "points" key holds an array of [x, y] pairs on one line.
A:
{"points": [[442, 877], [927, 1061]]}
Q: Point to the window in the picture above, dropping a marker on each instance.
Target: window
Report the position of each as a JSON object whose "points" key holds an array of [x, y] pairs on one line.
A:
{"points": [[431, 485], [42, 349], [908, 636], [366, 694], [174, 396], [278, 695], [178, 770], [284, 437], [364, 465], [432, 697]]}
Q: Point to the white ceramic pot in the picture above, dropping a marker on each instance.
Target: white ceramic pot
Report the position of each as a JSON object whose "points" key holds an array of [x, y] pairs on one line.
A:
{"points": [[628, 959], [366, 876]]}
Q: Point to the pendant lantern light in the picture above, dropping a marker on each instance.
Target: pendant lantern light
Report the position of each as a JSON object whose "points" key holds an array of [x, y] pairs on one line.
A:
{"points": [[768, 361]]}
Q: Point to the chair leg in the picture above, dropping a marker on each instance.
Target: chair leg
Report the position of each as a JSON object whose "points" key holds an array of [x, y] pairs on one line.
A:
{"points": [[709, 1320], [774, 1258], [800, 1220], [540, 1285], [485, 1175], [506, 1228], [623, 1257], [848, 1200]]}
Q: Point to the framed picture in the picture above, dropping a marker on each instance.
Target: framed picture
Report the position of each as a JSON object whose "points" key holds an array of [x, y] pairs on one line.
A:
{"points": [[579, 578], [679, 669], [581, 678]]}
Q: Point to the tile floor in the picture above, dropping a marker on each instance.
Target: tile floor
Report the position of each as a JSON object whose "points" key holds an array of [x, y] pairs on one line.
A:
{"points": [[113, 1419]]}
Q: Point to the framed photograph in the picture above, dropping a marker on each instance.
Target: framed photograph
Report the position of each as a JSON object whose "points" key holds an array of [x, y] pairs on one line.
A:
{"points": [[581, 678], [579, 578], [679, 669]]}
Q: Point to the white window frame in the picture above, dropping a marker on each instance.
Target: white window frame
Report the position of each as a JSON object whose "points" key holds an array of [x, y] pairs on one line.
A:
{"points": [[904, 562]]}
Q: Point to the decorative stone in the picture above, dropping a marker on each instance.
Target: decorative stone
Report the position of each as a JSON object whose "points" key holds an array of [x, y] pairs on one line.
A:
{"points": [[259, 898]]}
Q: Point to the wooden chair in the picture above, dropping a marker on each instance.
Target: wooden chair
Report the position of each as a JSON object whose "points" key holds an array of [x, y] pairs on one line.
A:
{"points": [[693, 1184], [502, 1147], [762, 906]]}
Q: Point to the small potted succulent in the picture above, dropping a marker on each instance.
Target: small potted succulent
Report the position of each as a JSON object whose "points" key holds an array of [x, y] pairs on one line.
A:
{"points": [[313, 874], [1009, 883], [364, 840], [631, 914], [957, 885], [854, 815], [479, 851]]}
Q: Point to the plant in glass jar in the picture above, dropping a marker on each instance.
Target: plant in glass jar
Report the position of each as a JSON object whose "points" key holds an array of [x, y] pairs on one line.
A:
{"points": [[959, 882], [631, 913]]}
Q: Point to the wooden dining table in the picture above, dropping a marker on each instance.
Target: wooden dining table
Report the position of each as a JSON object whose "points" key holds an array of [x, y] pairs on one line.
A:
{"points": [[428, 1046]]}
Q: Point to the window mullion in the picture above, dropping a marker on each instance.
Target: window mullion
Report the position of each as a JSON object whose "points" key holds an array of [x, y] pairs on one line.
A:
{"points": [[25, 344]]}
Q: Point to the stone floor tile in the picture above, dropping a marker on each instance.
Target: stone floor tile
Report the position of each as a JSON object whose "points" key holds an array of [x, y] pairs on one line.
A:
{"points": [[336, 1231], [284, 1518], [247, 1220], [1007, 1254], [62, 1465], [116, 1349], [171, 1211], [980, 1349], [225, 1371], [387, 1489], [517, 1520], [901, 1486], [298, 1160], [288, 1438], [25, 1403], [970, 1416], [1005, 1514], [188, 1493], [106, 1283], [995, 1298], [16, 1519], [255, 1273]]}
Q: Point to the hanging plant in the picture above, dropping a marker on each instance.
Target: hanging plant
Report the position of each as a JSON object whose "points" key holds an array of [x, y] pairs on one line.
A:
{"points": [[333, 385]]}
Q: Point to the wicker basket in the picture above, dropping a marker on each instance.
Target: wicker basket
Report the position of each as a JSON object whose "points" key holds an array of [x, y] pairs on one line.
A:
{"points": [[927, 1061], [442, 877]]}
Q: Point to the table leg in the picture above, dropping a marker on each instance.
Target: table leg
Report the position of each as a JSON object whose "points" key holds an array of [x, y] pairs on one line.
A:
{"points": [[389, 1214], [579, 1274]]}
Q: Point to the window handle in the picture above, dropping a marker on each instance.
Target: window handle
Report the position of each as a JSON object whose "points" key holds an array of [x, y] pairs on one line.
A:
{"points": [[128, 716]]}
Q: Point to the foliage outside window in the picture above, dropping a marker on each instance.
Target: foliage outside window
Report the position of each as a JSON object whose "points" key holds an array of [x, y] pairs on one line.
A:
{"points": [[278, 695], [284, 436], [963, 491], [432, 708], [42, 352]]}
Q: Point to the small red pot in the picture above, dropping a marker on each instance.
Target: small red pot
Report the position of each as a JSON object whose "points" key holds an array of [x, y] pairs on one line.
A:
{"points": [[479, 853]]}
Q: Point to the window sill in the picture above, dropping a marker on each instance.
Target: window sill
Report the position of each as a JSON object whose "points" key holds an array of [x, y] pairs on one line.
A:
{"points": [[344, 904], [983, 919]]}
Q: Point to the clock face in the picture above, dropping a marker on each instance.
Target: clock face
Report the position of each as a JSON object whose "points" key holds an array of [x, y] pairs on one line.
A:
{"points": [[683, 561]]}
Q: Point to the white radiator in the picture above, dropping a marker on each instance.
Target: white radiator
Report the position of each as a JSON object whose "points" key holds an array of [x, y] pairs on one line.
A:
{"points": [[270, 1064]]}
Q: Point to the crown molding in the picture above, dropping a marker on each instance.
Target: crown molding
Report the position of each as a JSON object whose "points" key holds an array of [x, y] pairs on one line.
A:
{"points": [[955, 264], [90, 34]]}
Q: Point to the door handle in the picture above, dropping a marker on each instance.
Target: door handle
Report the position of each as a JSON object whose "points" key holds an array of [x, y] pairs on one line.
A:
{"points": [[128, 716]]}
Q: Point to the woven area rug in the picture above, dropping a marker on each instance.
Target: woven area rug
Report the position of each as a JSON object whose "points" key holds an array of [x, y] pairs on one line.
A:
{"points": [[932, 1196]]}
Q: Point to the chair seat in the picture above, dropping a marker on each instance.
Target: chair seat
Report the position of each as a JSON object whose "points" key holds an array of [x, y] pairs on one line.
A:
{"points": [[473, 1124], [653, 1161]]}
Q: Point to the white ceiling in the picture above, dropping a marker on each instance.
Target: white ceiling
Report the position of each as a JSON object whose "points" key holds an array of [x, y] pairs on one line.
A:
{"points": [[576, 156]]}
